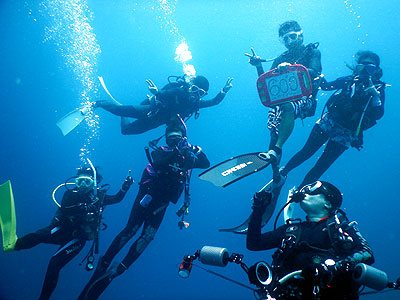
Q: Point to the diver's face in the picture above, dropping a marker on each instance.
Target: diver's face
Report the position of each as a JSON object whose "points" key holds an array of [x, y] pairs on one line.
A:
{"points": [[366, 67], [173, 139], [313, 203], [84, 183], [196, 93], [292, 39]]}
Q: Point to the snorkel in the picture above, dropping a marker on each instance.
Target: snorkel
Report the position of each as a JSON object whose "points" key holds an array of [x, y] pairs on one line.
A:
{"points": [[183, 125], [94, 177]]}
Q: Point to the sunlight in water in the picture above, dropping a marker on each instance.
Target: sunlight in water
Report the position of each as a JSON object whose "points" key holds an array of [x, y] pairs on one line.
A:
{"points": [[70, 31]]}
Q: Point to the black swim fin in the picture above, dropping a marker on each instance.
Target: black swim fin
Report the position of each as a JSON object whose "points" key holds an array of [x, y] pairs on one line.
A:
{"points": [[235, 168], [93, 290]]}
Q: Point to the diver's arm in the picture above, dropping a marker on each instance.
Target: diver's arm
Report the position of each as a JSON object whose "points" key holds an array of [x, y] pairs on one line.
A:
{"points": [[315, 67], [362, 252], [108, 199], [260, 69], [220, 96], [201, 161], [214, 101], [257, 241], [112, 199], [339, 83]]}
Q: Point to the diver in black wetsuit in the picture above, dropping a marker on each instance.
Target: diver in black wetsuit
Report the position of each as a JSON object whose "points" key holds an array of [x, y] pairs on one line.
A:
{"points": [[75, 223], [162, 182], [356, 106], [281, 117], [326, 247], [179, 97]]}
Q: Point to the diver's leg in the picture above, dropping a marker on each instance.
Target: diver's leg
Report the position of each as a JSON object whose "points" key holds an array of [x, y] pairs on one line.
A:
{"points": [[44, 235], [286, 125], [316, 139], [135, 221], [141, 125], [332, 152], [63, 255], [150, 227], [280, 123], [131, 111], [104, 262]]}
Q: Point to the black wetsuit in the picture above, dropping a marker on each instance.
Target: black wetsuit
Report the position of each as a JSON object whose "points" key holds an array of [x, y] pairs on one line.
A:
{"points": [[75, 223], [164, 182], [338, 126], [172, 99], [309, 246]]}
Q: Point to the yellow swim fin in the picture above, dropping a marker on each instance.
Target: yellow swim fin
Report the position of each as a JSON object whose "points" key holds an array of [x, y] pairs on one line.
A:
{"points": [[8, 222], [73, 119]]}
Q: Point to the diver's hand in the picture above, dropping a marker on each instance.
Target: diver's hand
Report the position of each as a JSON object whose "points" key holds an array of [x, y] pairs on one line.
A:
{"points": [[254, 59], [297, 197], [283, 67], [127, 183], [371, 89], [194, 149], [227, 87], [261, 199], [357, 143], [152, 87]]}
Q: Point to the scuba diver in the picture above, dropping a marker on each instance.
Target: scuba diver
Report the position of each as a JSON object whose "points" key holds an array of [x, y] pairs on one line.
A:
{"points": [[77, 221], [281, 117], [355, 106], [179, 96], [326, 246], [163, 181]]}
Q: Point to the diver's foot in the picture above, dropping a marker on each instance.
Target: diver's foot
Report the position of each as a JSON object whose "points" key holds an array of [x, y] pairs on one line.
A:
{"points": [[271, 156], [278, 181], [94, 289]]}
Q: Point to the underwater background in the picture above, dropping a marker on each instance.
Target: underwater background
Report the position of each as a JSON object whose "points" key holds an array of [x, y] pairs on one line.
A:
{"points": [[51, 54]]}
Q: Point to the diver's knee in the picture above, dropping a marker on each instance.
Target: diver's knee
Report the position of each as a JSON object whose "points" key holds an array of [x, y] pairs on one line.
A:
{"points": [[287, 109], [148, 237]]}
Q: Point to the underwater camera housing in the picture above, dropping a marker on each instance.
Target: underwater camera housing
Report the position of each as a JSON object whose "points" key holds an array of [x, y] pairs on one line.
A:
{"points": [[208, 255], [262, 275]]}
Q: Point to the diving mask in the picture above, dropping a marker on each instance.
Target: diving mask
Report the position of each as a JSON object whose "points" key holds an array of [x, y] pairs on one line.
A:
{"points": [[84, 182], [315, 188], [291, 36], [196, 91], [366, 69], [174, 139]]}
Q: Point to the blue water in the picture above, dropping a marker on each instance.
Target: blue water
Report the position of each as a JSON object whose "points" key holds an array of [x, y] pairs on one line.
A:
{"points": [[41, 80]]}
